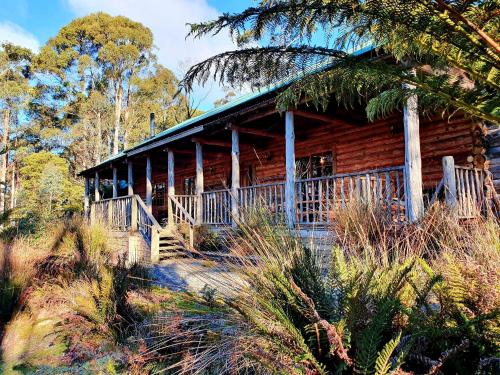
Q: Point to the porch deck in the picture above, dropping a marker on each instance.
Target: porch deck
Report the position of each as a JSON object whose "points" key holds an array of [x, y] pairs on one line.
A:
{"points": [[318, 200]]}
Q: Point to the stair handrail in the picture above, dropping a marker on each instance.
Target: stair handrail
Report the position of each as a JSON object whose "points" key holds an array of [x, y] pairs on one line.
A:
{"points": [[152, 237], [187, 218], [148, 212]]}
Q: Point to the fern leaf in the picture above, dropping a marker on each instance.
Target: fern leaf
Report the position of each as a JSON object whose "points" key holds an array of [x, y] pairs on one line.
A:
{"points": [[383, 362]]}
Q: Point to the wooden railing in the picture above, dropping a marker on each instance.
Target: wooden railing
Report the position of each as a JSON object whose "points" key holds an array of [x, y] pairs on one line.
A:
{"points": [[114, 212], [129, 213], [121, 213], [268, 196], [471, 195], [100, 210], [216, 206], [185, 208], [319, 199]]}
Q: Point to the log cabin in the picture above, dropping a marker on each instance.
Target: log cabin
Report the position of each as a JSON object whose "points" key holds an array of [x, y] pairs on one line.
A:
{"points": [[303, 166]]}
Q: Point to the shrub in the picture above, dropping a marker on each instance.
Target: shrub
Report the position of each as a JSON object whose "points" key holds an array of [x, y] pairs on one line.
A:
{"points": [[73, 302], [417, 298], [206, 240]]}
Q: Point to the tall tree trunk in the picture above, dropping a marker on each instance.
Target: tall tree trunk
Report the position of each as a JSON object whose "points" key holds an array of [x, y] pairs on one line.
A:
{"points": [[13, 187], [118, 112], [125, 139], [98, 147], [126, 117], [4, 157]]}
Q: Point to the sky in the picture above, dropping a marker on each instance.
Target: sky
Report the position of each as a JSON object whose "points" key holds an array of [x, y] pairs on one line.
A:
{"points": [[31, 23]]}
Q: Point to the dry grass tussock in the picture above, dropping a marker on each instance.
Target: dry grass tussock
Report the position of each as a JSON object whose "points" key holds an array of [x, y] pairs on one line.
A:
{"points": [[71, 306], [413, 299]]}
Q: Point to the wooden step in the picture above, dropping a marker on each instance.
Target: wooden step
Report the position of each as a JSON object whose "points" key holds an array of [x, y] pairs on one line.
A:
{"points": [[172, 248], [168, 242], [172, 254], [168, 238]]}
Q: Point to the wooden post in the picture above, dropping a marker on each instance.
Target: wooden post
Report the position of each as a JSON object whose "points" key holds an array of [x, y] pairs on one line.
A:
{"points": [[235, 175], [130, 178], [133, 214], [155, 246], [110, 212], [97, 196], [115, 182], [290, 199], [449, 181], [413, 162], [86, 198], [149, 184], [199, 183], [170, 186]]}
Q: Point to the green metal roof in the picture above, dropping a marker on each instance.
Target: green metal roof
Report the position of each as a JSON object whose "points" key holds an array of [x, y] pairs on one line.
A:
{"points": [[223, 109]]}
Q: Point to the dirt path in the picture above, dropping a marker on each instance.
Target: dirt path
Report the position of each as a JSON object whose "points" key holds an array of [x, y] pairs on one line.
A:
{"points": [[193, 274]]}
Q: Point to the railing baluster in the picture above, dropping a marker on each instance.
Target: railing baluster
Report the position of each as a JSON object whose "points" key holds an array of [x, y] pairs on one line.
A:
{"points": [[327, 195], [342, 192], [388, 194], [379, 197], [398, 197]]}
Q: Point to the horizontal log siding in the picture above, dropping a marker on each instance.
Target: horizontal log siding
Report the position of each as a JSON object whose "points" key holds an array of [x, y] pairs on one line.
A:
{"points": [[356, 148]]}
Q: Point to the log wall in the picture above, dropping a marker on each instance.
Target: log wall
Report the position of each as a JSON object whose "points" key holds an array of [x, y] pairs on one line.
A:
{"points": [[355, 148]]}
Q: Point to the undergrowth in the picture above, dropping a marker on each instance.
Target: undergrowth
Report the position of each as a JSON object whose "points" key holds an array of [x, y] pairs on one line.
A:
{"points": [[67, 307], [421, 298]]}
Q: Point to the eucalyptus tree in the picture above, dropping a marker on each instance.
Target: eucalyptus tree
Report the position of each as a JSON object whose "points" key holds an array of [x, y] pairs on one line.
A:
{"points": [[154, 92], [101, 53], [445, 51], [15, 71]]}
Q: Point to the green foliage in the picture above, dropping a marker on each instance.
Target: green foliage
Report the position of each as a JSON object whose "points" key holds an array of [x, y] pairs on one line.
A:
{"points": [[97, 83], [444, 52], [75, 314], [376, 308], [383, 362], [47, 191], [15, 70]]}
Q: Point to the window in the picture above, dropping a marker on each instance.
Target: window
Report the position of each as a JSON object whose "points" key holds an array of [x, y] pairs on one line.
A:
{"points": [[189, 186], [159, 191], [315, 166]]}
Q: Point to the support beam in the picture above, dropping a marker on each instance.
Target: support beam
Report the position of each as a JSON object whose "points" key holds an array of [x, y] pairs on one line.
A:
{"points": [[449, 182], [259, 132], [86, 198], [170, 186], [115, 182], [322, 117], [187, 152], [97, 195], [199, 183], [413, 161], [149, 184], [211, 142], [290, 199], [130, 177], [235, 175], [259, 116]]}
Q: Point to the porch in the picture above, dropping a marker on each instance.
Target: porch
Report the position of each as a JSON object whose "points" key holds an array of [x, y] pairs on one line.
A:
{"points": [[302, 168], [317, 200]]}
